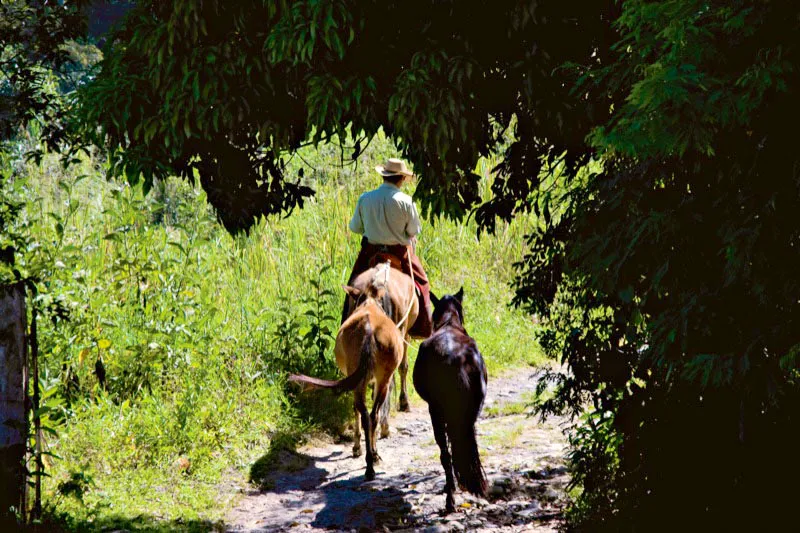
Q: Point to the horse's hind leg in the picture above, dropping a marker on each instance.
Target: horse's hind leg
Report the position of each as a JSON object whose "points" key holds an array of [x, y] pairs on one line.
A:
{"points": [[383, 419], [356, 431], [381, 393], [361, 406], [404, 405], [384, 411], [441, 439]]}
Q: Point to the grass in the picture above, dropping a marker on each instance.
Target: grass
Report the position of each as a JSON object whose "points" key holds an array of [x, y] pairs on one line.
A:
{"points": [[503, 438], [196, 330], [520, 407]]}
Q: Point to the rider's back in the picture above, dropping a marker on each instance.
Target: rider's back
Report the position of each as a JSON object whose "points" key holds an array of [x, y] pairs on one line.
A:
{"points": [[386, 215]]}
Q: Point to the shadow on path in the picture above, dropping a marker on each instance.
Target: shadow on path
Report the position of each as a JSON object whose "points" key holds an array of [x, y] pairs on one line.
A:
{"points": [[329, 489], [322, 487]]}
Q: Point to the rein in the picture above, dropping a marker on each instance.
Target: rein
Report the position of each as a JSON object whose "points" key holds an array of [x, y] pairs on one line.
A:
{"points": [[411, 299]]}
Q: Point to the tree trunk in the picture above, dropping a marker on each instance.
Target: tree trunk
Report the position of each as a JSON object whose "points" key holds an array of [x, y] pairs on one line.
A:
{"points": [[13, 371]]}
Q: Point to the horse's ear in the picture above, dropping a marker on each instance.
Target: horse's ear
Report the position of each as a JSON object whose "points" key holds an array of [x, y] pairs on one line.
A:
{"points": [[460, 294], [352, 291], [434, 299]]}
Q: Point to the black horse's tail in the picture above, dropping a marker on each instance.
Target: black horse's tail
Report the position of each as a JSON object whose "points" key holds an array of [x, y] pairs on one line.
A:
{"points": [[350, 382], [466, 459]]}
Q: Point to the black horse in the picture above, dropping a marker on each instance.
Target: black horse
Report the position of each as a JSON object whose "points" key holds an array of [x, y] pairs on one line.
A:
{"points": [[450, 375]]}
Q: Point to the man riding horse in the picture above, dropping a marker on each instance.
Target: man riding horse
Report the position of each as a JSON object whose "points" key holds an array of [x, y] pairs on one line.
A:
{"points": [[370, 343], [389, 223]]}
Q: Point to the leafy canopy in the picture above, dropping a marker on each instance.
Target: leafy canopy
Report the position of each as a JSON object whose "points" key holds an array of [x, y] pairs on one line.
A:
{"points": [[226, 88], [39, 62], [667, 276], [38, 51], [664, 270]]}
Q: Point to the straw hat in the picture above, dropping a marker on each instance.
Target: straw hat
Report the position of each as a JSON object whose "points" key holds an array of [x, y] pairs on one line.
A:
{"points": [[393, 167]]}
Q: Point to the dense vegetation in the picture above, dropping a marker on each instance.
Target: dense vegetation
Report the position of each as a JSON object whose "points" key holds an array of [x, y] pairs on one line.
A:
{"points": [[665, 271], [669, 275], [164, 341], [652, 138], [225, 88]]}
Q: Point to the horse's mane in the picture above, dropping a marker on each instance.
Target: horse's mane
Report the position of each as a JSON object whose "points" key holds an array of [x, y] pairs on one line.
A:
{"points": [[380, 280]]}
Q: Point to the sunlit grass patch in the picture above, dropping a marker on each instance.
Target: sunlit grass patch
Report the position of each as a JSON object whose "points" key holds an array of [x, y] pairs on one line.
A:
{"points": [[522, 406], [502, 438], [196, 330]]}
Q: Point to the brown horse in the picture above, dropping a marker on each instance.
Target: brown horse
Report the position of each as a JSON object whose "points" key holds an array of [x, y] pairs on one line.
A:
{"points": [[403, 310], [369, 348], [450, 375]]}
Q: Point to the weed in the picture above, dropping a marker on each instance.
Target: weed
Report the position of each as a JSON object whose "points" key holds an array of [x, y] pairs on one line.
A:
{"points": [[505, 437], [165, 342]]}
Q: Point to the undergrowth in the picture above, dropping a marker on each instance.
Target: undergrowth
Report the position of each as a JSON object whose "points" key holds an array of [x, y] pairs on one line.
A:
{"points": [[165, 342]]}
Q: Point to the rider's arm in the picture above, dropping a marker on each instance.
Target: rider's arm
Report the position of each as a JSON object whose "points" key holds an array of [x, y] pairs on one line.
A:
{"points": [[356, 224], [413, 226]]}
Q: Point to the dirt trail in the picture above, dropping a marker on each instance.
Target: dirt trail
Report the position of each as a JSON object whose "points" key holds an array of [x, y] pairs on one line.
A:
{"points": [[523, 459]]}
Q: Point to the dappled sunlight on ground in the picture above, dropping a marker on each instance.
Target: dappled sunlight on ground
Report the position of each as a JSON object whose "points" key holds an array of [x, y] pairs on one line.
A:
{"points": [[322, 486]]}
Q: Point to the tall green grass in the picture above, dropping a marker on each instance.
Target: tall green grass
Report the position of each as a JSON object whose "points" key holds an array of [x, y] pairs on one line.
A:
{"points": [[195, 330]]}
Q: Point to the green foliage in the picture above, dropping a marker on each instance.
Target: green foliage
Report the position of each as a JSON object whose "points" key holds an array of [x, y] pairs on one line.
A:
{"points": [[712, 66], [41, 60], [75, 486], [304, 331], [164, 341], [664, 274], [651, 139], [226, 89], [10, 240]]}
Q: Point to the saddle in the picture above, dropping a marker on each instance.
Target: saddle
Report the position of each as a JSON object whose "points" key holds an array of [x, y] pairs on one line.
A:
{"points": [[386, 257], [401, 259], [395, 255]]}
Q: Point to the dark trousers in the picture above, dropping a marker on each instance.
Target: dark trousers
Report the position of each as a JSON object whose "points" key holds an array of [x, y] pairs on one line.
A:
{"points": [[398, 255]]}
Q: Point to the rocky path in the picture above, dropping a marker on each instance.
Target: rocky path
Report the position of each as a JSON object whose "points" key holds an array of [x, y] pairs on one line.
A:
{"points": [[323, 487]]}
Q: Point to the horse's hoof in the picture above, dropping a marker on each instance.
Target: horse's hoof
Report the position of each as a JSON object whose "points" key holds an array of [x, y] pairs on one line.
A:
{"points": [[385, 432], [356, 452], [369, 475], [376, 459], [404, 406]]}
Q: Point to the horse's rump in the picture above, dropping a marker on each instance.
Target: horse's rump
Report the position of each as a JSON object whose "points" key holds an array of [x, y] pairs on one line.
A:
{"points": [[350, 382]]}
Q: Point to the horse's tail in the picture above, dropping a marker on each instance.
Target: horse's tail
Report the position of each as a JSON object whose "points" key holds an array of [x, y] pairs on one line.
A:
{"points": [[466, 459], [350, 382]]}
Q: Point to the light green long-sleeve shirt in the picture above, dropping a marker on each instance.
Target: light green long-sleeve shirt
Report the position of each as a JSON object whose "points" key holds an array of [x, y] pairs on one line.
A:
{"points": [[386, 216]]}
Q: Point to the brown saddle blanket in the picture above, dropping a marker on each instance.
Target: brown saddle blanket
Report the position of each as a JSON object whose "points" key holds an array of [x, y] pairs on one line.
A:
{"points": [[384, 257]]}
